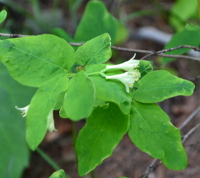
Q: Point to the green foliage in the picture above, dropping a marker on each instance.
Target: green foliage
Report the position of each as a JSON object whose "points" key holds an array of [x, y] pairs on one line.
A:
{"points": [[113, 102], [103, 131], [181, 11], [58, 174], [151, 131], [80, 90], [41, 108], [38, 58], [13, 147], [185, 37], [159, 85], [95, 51], [106, 103], [95, 21], [3, 15]]}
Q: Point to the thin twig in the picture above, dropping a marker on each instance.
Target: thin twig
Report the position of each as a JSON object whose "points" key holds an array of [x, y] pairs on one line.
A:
{"points": [[189, 133], [153, 166], [12, 35], [191, 116]]}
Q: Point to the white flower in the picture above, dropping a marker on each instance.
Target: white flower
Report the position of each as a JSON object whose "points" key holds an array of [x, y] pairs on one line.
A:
{"points": [[50, 122], [127, 78], [23, 110], [127, 66]]}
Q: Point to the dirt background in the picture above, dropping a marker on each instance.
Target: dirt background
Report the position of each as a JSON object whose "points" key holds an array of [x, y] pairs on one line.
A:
{"points": [[127, 159]]}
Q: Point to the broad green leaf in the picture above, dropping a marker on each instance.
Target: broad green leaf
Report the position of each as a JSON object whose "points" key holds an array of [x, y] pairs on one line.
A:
{"points": [[58, 174], [96, 20], [109, 90], [3, 15], [152, 132], [35, 59], [185, 37], [181, 11], [13, 147], [95, 51], [41, 106], [80, 97], [102, 133], [159, 85]]}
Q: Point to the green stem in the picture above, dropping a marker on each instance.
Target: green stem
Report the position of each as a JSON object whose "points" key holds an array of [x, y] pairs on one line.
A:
{"points": [[74, 137], [48, 159], [94, 73], [92, 174]]}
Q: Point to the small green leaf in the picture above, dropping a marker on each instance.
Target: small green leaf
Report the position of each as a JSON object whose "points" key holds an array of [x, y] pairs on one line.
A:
{"points": [[102, 133], [42, 104], [192, 27], [185, 37], [58, 174], [145, 67], [152, 132], [62, 34], [80, 97], [96, 20], [3, 15], [95, 51], [159, 85], [35, 59]]}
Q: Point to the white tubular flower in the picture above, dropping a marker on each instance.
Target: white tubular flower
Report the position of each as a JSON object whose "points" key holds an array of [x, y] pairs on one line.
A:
{"points": [[127, 66], [50, 122], [127, 78], [23, 110]]}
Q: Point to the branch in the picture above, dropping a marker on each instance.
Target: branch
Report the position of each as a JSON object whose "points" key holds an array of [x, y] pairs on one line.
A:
{"points": [[153, 166], [148, 52], [12, 35]]}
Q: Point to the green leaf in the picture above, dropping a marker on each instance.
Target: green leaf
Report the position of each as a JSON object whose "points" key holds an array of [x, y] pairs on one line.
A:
{"points": [[80, 97], [41, 106], [109, 90], [62, 34], [3, 15], [159, 85], [145, 67], [185, 37], [192, 27], [152, 132], [58, 174], [96, 141], [95, 51], [181, 11], [13, 148], [96, 20], [35, 59]]}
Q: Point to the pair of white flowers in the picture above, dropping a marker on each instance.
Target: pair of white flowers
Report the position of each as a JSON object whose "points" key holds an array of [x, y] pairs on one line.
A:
{"points": [[50, 120], [129, 77]]}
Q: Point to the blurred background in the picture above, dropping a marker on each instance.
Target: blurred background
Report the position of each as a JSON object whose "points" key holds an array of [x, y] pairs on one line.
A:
{"points": [[141, 24]]}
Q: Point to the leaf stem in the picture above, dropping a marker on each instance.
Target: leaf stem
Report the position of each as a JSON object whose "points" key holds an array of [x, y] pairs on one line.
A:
{"points": [[74, 137], [47, 159], [94, 73]]}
